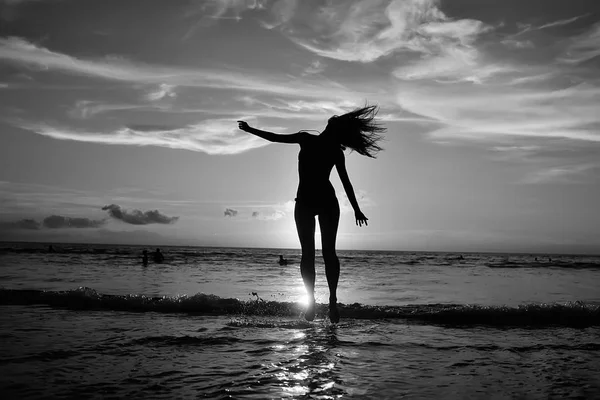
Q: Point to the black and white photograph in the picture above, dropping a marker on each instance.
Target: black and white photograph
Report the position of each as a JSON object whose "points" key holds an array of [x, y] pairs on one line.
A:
{"points": [[300, 199]]}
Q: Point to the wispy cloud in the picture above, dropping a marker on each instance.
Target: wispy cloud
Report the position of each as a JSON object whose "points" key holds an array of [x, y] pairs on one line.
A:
{"points": [[583, 47], [273, 216], [474, 113], [518, 44], [367, 30], [138, 217], [563, 174], [316, 67], [217, 136], [207, 12], [436, 46], [60, 222], [529, 27], [282, 12], [262, 212], [86, 108], [164, 91], [561, 22], [515, 152], [18, 50]]}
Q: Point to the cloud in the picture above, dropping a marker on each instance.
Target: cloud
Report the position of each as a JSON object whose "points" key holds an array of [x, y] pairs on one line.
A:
{"points": [[262, 212], [59, 222], [515, 152], [273, 216], [282, 12], [529, 28], [583, 47], [84, 109], [561, 22], [214, 136], [271, 212], [451, 65], [448, 53], [480, 113], [138, 217], [371, 29], [518, 44], [28, 224], [207, 12], [164, 90], [435, 46], [21, 51], [230, 212], [563, 174], [316, 67]]}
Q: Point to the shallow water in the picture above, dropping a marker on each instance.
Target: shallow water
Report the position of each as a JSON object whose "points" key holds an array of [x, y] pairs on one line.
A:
{"points": [[414, 325]]}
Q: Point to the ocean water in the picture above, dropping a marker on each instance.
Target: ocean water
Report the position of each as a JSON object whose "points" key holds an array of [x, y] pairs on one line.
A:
{"points": [[90, 321]]}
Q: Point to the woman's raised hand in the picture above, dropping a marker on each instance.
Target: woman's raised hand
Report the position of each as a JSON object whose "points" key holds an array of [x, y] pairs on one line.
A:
{"points": [[243, 125], [360, 218]]}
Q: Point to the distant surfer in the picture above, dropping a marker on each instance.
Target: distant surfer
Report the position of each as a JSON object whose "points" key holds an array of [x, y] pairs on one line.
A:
{"points": [[318, 155], [145, 258], [282, 261], [158, 256]]}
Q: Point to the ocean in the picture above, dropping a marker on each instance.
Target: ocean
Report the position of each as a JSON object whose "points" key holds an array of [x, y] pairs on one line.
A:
{"points": [[91, 321]]}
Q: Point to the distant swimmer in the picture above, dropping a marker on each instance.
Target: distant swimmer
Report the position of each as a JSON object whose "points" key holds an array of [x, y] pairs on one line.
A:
{"points": [[145, 258], [51, 249], [319, 154], [282, 261], [158, 257]]}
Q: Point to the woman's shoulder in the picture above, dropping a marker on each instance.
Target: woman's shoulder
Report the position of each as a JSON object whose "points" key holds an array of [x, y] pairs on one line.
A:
{"points": [[306, 135], [306, 138]]}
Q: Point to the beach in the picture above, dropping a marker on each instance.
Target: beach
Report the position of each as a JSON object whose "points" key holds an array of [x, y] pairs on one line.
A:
{"points": [[91, 321]]}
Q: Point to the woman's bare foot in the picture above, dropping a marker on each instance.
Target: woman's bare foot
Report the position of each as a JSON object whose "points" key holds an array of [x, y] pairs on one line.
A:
{"points": [[309, 315], [334, 314]]}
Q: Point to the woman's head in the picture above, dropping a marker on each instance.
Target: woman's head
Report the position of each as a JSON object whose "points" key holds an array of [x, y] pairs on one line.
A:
{"points": [[357, 130]]}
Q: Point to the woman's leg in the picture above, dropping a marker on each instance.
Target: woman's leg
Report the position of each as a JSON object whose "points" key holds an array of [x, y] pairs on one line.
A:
{"points": [[305, 224], [328, 222]]}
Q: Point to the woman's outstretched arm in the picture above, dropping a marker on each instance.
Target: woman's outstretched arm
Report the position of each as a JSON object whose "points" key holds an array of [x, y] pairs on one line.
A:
{"points": [[343, 173], [273, 137]]}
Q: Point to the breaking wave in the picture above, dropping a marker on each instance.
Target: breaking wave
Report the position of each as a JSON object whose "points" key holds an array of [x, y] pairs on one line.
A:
{"points": [[572, 314]]}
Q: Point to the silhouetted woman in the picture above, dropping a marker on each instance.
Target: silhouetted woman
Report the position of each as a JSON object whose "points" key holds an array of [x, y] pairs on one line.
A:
{"points": [[318, 155]]}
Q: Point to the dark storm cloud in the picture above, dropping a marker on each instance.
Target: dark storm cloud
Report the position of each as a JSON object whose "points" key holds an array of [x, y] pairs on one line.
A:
{"points": [[21, 224], [230, 212], [58, 222], [138, 217], [255, 214]]}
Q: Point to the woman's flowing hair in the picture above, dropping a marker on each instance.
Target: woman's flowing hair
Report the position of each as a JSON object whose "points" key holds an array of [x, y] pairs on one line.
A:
{"points": [[359, 131]]}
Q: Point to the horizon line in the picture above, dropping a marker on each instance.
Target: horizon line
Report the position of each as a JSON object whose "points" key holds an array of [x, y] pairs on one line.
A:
{"points": [[298, 248]]}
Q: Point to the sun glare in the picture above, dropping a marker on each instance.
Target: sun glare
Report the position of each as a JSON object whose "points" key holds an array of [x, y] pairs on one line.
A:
{"points": [[304, 301]]}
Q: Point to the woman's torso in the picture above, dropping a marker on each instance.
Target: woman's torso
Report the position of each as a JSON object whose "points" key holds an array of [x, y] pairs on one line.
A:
{"points": [[315, 162]]}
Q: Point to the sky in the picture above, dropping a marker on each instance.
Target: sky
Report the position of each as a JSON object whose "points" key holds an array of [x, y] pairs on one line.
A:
{"points": [[118, 120]]}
